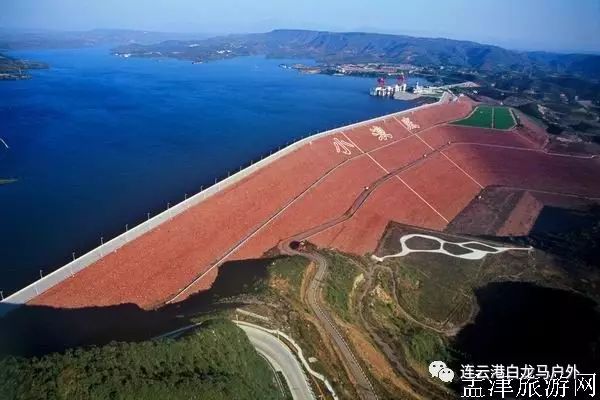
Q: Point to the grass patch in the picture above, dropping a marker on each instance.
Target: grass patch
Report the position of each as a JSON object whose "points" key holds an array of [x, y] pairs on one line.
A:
{"points": [[489, 117], [430, 287], [340, 279], [288, 272], [503, 118], [216, 361], [425, 346], [420, 345], [480, 117]]}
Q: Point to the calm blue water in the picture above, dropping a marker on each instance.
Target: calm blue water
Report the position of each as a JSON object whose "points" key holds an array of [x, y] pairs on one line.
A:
{"points": [[97, 141]]}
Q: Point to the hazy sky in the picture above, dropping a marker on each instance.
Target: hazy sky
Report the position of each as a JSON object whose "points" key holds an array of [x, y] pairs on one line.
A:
{"points": [[565, 25]]}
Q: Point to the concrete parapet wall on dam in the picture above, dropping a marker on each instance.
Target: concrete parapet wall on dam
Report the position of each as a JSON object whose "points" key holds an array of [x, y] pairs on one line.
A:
{"points": [[71, 269]]}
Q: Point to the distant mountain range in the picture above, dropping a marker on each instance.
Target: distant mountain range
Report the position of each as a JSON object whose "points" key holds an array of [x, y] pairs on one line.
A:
{"points": [[324, 47], [31, 39], [333, 47]]}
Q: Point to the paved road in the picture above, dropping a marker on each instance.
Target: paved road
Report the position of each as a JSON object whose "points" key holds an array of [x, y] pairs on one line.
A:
{"points": [[282, 359]]}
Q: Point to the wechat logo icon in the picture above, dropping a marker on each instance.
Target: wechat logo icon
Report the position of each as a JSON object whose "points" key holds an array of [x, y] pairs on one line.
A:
{"points": [[438, 369]]}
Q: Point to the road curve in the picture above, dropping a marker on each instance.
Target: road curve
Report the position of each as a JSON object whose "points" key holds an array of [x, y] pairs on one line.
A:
{"points": [[359, 378], [363, 385], [281, 359]]}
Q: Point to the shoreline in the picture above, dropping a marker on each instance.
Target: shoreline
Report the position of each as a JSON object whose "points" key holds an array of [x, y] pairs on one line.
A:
{"points": [[185, 140], [38, 287]]}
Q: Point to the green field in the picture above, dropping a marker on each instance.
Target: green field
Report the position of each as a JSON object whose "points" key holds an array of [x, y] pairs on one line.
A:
{"points": [[481, 117], [489, 117], [503, 118]]}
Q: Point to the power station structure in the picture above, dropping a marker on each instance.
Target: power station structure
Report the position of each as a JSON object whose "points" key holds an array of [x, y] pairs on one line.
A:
{"points": [[382, 90], [400, 90]]}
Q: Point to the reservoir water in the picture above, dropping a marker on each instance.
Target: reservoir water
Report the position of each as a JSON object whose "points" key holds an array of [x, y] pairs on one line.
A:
{"points": [[97, 141], [522, 323]]}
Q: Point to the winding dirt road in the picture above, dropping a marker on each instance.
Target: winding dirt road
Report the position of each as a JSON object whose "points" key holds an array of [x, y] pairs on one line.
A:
{"points": [[362, 384], [357, 375]]}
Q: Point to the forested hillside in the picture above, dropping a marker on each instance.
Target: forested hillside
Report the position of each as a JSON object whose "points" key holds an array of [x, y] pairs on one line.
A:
{"points": [[339, 47], [215, 362]]}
